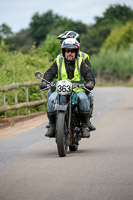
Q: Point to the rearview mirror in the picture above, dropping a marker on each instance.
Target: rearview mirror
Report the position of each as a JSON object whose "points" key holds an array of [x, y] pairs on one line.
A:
{"points": [[38, 74]]}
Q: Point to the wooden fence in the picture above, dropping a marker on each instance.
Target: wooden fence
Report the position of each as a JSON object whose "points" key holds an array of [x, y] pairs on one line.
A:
{"points": [[16, 106], [111, 77]]}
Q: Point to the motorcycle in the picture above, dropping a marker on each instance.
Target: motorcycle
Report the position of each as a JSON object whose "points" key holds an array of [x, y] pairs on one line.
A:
{"points": [[68, 127]]}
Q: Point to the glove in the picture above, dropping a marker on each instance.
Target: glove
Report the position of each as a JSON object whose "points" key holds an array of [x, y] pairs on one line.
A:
{"points": [[53, 88], [43, 85], [89, 85]]}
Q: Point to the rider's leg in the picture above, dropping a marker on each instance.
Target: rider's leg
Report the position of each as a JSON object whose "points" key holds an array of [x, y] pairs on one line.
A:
{"points": [[84, 123], [51, 115], [91, 99], [48, 94], [84, 106], [51, 130]]}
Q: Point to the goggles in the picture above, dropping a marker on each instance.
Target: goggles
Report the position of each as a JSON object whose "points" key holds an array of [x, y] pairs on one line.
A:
{"points": [[70, 50]]}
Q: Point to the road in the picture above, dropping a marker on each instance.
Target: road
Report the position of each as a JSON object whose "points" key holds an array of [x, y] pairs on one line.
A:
{"points": [[102, 168]]}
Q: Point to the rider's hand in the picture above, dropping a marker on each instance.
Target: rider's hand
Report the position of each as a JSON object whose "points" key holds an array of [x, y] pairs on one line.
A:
{"points": [[89, 85], [43, 85], [53, 88]]}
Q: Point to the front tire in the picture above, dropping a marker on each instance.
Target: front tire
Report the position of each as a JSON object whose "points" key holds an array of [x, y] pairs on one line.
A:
{"points": [[62, 137]]}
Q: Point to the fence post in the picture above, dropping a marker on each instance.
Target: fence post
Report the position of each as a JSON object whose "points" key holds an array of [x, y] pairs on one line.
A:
{"points": [[98, 76], [4, 101], [16, 99], [4, 98], [43, 106], [27, 95]]}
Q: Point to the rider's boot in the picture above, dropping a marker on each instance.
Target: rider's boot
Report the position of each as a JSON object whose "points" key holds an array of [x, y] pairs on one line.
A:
{"points": [[84, 124], [51, 130], [91, 127], [48, 125]]}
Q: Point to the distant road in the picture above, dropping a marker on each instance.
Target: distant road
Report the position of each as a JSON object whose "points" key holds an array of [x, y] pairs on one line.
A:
{"points": [[101, 169]]}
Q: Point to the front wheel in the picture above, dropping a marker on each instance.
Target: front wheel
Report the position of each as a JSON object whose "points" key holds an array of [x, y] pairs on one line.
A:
{"points": [[62, 136]]}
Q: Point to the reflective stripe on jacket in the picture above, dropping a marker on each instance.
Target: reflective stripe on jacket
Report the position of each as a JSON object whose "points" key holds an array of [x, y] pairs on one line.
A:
{"points": [[83, 55]]}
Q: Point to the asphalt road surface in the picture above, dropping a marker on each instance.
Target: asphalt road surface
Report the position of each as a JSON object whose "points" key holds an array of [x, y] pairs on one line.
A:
{"points": [[102, 168]]}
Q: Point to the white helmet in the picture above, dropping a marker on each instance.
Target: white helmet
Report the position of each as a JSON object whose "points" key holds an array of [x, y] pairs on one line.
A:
{"points": [[70, 43]]}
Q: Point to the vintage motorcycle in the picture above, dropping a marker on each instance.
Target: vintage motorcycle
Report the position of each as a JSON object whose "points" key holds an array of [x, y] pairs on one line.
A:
{"points": [[68, 126]]}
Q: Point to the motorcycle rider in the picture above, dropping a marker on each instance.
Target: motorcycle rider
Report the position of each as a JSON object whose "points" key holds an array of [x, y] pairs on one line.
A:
{"points": [[85, 56], [76, 36], [71, 67]]}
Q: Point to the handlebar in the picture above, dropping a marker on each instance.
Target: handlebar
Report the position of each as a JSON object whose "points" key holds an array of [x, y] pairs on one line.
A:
{"points": [[53, 84], [81, 86], [49, 85]]}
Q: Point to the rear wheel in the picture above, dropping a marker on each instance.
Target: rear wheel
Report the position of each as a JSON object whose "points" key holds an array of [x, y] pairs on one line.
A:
{"points": [[62, 137]]}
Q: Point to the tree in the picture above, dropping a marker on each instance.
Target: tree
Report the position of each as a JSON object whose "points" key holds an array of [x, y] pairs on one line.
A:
{"points": [[21, 40], [50, 23], [114, 15], [120, 37], [92, 41], [50, 47], [70, 25], [5, 31], [41, 25]]}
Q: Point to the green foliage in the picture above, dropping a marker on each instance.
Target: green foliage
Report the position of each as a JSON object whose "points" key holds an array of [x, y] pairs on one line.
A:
{"points": [[92, 41], [68, 24], [114, 61], [116, 52], [3, 51], [18, 67], [41, 25], [5, 31], [21, 41], [114, 15], [50, 47], [120, 37], [49, 23]]}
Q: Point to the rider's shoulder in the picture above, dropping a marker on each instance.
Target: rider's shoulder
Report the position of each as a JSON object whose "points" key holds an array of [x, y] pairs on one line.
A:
{"points": [[83, 55], [58, 57]]}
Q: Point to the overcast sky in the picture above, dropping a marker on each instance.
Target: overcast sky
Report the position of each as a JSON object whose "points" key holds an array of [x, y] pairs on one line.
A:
{"points": [[18, 13]]}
